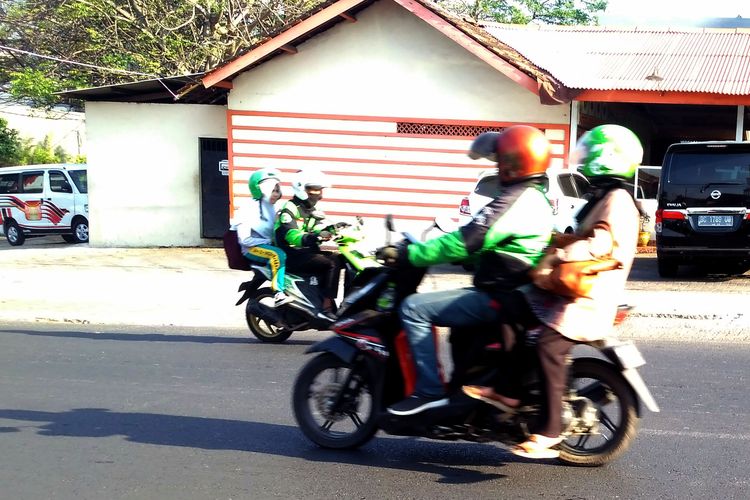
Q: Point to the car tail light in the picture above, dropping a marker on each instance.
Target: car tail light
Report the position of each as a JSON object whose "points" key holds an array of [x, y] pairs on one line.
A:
{"points": [[555, 202], [622, 313], [662, 215], [464, 208]]}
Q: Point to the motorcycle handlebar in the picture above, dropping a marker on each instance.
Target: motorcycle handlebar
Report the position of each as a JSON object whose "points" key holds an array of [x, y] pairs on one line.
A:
{"points": [[410, 237]]}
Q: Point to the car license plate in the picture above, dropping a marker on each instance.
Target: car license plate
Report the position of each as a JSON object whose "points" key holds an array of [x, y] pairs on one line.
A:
{"points": [[715, 220]]}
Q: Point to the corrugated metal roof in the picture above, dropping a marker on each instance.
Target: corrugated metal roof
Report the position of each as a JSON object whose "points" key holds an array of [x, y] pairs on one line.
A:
{"points": [[183, 88], [602, 58]]}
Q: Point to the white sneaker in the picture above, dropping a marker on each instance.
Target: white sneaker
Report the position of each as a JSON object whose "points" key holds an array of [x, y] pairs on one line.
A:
{"points": [[281, 298]]}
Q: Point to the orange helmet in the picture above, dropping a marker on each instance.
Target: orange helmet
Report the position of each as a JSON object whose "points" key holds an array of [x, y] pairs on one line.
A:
{"points": [[523, 152]]}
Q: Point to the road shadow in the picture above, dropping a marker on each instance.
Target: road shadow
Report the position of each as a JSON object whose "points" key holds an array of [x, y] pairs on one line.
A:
{"points": [[135, 337], [721, 271], [645, 270], [447, 460], [40, 242], [154, 337]]}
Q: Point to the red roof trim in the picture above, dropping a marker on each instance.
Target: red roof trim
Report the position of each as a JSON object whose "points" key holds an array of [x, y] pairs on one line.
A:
{"points": [[658, 97], [339, 8], [470, 44], [224, 85], [276, 43]]}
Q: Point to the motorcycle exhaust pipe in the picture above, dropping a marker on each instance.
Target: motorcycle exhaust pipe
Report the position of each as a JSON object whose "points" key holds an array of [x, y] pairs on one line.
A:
{"points": [[265, 313]]}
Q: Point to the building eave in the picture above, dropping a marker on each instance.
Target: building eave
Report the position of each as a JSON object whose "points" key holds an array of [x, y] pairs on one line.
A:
{"points": [[657, 97], [282, 41], [453, 28], [173, 89]]}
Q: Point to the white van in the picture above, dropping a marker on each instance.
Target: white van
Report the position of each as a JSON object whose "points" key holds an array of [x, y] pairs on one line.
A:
{"points": [[39, 200]]}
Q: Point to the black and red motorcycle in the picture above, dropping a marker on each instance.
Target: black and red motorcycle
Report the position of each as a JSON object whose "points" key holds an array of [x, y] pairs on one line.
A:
{"points": [[340, 396]]}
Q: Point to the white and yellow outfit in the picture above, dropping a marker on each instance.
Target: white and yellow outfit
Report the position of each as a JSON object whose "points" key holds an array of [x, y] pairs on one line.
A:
{"points": [[254, 225]]}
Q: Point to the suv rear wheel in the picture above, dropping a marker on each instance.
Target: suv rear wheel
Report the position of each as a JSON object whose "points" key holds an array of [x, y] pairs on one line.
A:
{"points": [[667, 267]]}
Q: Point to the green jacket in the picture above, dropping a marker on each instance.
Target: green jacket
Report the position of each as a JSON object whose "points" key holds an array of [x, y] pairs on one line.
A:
{"points": [[504, 241], [296, 228]]}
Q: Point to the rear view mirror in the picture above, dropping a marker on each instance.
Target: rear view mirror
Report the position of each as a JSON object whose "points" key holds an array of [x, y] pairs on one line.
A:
{"points": [[445, 224], [318, 215], [389, 222], [484, 146]]}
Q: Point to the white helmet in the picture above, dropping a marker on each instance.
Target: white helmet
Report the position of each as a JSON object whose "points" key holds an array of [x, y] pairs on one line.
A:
{"points": [[308, 178]]}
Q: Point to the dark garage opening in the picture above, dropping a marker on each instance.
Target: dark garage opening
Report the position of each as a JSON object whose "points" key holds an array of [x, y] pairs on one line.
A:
{"points": [[659, 125]]}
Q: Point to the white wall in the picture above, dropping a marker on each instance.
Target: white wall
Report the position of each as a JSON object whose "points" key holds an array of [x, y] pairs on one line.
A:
{"points": [[388, 63], [144, 171]]}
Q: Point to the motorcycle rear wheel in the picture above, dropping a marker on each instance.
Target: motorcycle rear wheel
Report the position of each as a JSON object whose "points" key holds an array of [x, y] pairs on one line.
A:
{"points": [[616, 410], [319, 386], [263, 330]]}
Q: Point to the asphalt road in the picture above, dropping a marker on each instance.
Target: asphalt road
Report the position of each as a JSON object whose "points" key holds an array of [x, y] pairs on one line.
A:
{"points": [[144, 414]]}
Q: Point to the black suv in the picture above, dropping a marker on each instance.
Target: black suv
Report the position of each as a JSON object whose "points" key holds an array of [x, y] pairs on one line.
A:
{"points": [[703, 204]]}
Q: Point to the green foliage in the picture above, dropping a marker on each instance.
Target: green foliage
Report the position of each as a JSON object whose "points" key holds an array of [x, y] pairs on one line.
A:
{"points": [[564, 12], [145, 37], [43, 152], [178, 37], [11, 147], [61, 156], [17, 151], [34, 86], [40, 152]]}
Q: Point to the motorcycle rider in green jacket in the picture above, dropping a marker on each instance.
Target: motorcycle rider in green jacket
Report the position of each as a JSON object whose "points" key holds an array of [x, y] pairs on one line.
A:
{"points": [[504, 241], [299, 231]]}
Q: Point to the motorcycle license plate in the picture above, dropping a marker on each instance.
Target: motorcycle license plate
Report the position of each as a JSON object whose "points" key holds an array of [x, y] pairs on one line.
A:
{"points": [[629, 356], [715, 220]]}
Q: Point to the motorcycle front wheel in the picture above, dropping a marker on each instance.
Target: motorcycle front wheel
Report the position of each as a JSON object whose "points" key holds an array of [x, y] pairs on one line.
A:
{"points": [[262, 329], [616, 411], [334, 403]]}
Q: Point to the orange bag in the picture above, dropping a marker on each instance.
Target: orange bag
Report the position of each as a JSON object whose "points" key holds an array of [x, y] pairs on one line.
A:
{"points": [[573, 279]]}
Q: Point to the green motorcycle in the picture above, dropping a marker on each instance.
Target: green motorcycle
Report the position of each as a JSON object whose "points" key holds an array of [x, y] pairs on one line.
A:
{"points": [[276, 324]]}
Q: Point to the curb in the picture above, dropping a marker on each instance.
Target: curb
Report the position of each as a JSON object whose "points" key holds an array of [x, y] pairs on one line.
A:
{"points": [[191, 289]]}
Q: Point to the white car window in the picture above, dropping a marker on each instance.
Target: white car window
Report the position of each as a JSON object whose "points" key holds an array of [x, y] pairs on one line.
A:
{"points": [[567, 186], [582, 185], [8, 183], [32, 182], [488, 186]]}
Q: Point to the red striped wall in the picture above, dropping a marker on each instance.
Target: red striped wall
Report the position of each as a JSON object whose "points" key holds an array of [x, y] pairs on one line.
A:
{"points": [[374, 169]]}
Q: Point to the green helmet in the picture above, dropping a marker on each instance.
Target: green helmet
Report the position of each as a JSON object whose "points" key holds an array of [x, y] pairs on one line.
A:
{"points": [[259, 176], [608, 150]]}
